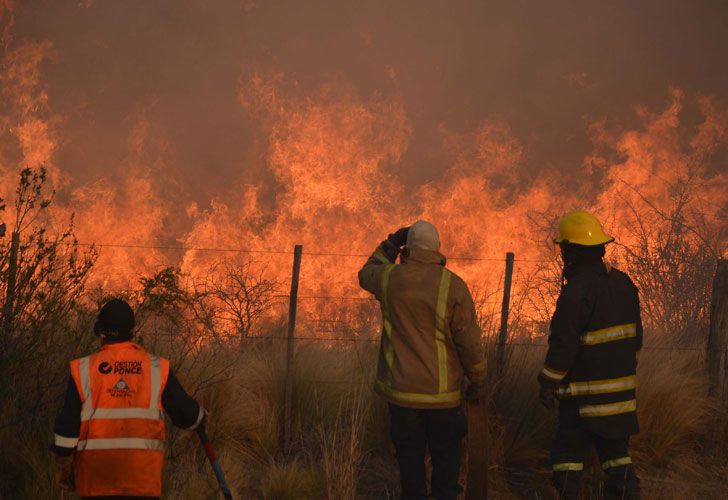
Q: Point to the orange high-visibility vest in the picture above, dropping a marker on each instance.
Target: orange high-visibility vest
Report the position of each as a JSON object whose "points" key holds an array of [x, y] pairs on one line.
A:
{"points": [[120, 448]]}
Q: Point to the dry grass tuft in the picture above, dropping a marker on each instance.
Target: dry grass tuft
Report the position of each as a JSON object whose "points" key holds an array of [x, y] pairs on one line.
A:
{"points": [[293, 481], [341, 447], [674, 407]]}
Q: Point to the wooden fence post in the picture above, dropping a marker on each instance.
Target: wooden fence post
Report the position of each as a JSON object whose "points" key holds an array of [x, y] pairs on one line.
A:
{"points": [[718, 331], [293, 301], [503, 334]]}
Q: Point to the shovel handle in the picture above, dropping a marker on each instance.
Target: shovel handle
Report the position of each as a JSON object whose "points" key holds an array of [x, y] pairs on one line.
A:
{"points": [[212, 457]]}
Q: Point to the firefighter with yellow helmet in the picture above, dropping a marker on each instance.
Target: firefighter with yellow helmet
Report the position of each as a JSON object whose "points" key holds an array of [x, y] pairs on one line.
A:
{"points": [[590, 367]]}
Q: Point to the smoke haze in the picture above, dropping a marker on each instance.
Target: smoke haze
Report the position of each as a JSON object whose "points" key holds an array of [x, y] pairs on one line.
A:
{"points": [[253, 124]]}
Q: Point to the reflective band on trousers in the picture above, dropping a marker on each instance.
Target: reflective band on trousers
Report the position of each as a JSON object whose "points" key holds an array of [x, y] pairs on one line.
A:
{"points": [[604, 386], [441, 328], [553, 374], [64, 442], [617, 462], [611, 334], [150, 412], [568, 466], [120, 444], [608, 409]]}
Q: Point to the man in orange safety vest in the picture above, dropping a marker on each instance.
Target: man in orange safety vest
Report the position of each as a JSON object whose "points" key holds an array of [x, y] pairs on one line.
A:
{"points": [[109, 435]]}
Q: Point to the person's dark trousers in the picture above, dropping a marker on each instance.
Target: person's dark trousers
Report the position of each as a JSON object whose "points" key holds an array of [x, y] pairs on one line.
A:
{"points": [[567, 458], [413, 432]]}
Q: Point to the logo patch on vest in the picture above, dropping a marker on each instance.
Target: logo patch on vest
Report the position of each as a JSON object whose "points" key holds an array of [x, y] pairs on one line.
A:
{"points": [[121, 389], [121, 368]]}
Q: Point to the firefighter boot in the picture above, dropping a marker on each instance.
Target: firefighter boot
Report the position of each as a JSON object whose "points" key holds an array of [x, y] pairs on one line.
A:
{"points": [[567, 484], [622, 484]]}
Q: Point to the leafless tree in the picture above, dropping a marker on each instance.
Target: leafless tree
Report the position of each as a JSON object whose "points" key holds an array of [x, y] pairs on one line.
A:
{"points": [[672, 260], [42, 315], [243, 294]]}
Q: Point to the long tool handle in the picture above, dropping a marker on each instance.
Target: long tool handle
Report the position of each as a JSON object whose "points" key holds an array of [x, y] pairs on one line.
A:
{"points": [[477, 478], [212, 457]]}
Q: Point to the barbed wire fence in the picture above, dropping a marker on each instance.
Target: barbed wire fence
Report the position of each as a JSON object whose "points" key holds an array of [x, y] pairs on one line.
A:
{"points": [[499, 305], [502, 289], [332, 331], [328, 331]]}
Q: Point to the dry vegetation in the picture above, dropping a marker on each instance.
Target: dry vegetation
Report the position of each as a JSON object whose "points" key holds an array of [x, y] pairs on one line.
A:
{"points": [[340, 447]]}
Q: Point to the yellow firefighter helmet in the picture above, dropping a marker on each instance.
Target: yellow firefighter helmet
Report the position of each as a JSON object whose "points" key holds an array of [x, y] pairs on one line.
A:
{"points": [[582, 228]]}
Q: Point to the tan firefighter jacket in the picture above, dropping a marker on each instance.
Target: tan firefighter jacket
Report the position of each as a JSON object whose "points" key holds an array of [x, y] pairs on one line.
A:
{"points": [[430, 337]]}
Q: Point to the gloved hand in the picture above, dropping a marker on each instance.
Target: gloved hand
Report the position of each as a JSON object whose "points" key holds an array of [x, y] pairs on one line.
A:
{"points": [[547, 395], [399, 237], [475, 392], [64, 472]]}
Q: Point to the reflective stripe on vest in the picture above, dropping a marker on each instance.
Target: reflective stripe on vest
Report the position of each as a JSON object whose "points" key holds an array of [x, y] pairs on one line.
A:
{"points": [[441, 328], [605, 410], [85, 377], [611, 334], [120, 444], [112, 413], [605, 386]]}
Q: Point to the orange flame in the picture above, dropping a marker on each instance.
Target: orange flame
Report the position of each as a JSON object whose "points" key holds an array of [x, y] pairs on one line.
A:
{"points": [[332, 158]]}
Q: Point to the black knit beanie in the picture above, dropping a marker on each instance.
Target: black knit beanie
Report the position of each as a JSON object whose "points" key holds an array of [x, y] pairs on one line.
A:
{"points": [[115, 320]]}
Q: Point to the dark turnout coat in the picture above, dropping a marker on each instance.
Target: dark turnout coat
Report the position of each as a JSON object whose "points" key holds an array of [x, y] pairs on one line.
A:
{"points": [[596, 333]]}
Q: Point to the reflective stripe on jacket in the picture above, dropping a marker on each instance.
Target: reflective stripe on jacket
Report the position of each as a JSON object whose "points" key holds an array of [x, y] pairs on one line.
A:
{"points": [[121, 441], [430, 337]]}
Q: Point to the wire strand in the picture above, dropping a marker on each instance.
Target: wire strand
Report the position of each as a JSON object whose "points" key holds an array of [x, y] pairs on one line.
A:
{"points": [[507, 344], [284, 252]]}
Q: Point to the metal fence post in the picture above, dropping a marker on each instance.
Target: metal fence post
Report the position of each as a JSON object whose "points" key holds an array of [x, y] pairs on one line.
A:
{"points": [[503, 333]]}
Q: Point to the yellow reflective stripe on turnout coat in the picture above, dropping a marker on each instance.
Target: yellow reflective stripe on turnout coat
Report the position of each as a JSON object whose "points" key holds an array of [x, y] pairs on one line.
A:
{"points": [[596, 332]]}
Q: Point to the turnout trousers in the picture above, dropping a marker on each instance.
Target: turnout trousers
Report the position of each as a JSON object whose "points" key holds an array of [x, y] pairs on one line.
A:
{"points": [[413, 432], [567, 457]]}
